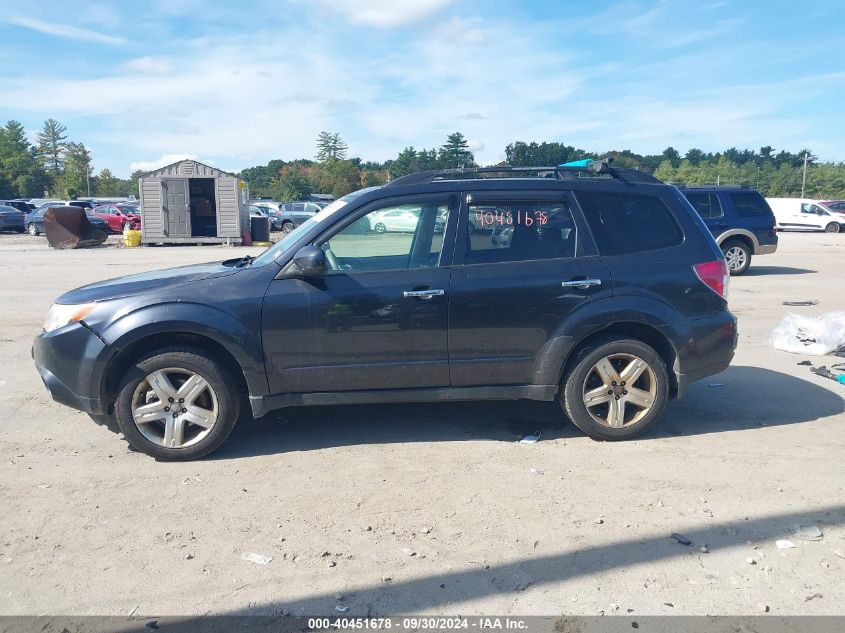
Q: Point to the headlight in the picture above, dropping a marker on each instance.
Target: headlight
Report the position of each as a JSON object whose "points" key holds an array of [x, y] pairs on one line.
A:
{"points": [[60, 315]]}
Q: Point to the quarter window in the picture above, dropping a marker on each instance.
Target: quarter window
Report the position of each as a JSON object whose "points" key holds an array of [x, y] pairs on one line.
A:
{"points": [[625, 223], [750, 205], [391, 238]]}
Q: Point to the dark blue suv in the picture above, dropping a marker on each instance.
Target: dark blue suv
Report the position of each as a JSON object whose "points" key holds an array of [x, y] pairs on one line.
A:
{"points": [[608, 295], [740, 220]]}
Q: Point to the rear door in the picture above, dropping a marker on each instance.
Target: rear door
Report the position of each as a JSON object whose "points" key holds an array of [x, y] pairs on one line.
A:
{"points": [[521, 268], [176, 214], [709, 207]]}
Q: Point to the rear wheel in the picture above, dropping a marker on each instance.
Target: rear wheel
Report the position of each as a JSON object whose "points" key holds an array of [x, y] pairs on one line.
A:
{"points": [[615, 390], [32, 229], [287, 227], [738, 256], [176, 405], [833, 227], [380, 228]]}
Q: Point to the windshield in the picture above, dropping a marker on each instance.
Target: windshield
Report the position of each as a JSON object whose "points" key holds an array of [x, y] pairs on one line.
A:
{"points": [[291, 238]]}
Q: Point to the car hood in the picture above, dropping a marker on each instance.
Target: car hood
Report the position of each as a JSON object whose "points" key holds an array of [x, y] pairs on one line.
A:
{"points": [[155, 280]]}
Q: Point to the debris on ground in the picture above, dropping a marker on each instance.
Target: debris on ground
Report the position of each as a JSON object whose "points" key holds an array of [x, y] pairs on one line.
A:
{"points": [[813, 336], [386, 579], [683, 540], [807, 532], [341, 608], [716, 384], [533, 438], [750, 560], [824, 372], [784, 544], [408, 551], [813, 596], [763, 608], [598, 521], [805, 363], [256, 558], [704, 549], [811, 302], [537, 471]]}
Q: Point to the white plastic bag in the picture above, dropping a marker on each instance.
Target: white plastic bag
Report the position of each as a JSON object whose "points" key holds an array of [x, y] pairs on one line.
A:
{"points": [[806, 335]]}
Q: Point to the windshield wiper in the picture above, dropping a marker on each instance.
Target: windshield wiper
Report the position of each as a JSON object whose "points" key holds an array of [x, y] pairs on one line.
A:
{"points": [[244, 261]]}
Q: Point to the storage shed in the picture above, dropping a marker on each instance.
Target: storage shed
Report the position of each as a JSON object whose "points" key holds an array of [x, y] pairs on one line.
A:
{"points": [[189, 202]]}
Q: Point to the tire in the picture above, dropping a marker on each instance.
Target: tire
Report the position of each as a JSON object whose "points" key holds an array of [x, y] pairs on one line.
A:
{"points": [[213, 402], [380, 228], [287, 227], [833, 227], [738, 256], [583, 377], [32, 229]]}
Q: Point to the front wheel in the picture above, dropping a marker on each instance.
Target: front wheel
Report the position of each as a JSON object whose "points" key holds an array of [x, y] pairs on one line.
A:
{"points": [[32, 229], [287, 227], [833, 227], [615, 390], [380, 228], [176, 405], [737, 255]]}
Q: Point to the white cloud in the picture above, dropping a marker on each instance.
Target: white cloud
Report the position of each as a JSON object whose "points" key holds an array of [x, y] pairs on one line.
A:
{"points": [[386, 13], [65, 31], [147, 64], [162, 161]]}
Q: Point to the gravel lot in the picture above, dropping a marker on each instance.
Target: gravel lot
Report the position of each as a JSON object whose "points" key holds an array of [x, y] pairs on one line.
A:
{"points": [[432, 509]]}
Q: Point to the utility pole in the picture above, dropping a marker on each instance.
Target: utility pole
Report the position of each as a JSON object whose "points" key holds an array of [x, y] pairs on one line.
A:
{"points": [[804, 176]]}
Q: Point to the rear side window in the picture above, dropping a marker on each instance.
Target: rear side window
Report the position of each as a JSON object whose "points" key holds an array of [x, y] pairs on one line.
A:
{"points": [[750, 205], [706, 204], [624, 223]]}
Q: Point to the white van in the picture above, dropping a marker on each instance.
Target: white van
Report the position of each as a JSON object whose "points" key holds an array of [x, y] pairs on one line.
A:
{"points": [[804, 214]]}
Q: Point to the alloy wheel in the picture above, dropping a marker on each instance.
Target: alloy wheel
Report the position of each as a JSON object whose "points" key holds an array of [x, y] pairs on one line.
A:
{"points": [[174, 407], [619, 390], [736, 258]]}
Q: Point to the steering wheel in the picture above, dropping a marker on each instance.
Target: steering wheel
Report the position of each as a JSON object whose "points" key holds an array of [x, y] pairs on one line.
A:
{"points": [[331, 259]]}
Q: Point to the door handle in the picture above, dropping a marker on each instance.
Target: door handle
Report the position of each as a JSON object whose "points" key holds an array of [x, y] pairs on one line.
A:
{"points": [[581, 283], [423, 294]]}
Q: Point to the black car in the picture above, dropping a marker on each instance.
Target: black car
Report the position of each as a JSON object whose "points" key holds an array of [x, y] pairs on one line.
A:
{"points": [[740, 220], [11, 219], [610, 296], [20, 205]]}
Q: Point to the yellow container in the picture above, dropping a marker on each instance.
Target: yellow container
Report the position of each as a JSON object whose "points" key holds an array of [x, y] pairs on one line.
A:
{"points": [[132, 238]]}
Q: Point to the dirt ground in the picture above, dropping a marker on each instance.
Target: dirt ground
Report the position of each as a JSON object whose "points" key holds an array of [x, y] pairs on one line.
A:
{"points": [[432, 509]]}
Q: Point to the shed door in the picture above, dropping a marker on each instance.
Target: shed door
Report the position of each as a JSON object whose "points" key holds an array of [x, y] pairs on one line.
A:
{"points": [[176, 215]]}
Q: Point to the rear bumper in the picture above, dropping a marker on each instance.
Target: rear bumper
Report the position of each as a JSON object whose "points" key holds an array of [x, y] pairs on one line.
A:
{"points": [[709, 349], [70, 362], [766, 249]]}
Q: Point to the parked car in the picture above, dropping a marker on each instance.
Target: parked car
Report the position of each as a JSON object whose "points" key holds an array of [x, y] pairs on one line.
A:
{"points": [[35, 219], [119, 217], [739, 219], [82, 204], [611, 298], [837, 206], [267, 211], [20, 205], [292, 214], [400, 219], [805, 214], [11, 219]]}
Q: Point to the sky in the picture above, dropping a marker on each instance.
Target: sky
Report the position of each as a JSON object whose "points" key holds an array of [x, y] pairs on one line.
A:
{"points": [[143, 84]]}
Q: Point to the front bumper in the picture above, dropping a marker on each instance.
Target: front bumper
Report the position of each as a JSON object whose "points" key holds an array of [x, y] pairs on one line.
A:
{"points": [[70, 361]]}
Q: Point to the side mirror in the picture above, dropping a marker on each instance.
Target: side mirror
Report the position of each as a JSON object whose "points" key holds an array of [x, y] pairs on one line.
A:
{"points": [[310, 261]]}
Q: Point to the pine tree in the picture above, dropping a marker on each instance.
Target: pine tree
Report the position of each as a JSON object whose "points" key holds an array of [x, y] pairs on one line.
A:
{"points": [[51, 141], [330, 147], [455, 152]]}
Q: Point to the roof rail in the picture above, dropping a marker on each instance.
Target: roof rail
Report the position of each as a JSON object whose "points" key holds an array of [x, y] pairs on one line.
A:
{"points": [[591, 169]]}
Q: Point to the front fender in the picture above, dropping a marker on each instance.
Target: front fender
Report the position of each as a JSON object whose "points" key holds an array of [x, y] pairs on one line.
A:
{"points": [[240, 338]]}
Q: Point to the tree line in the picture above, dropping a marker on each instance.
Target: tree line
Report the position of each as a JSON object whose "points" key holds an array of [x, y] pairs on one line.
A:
{"points": [[53, 167], [56, 166]]}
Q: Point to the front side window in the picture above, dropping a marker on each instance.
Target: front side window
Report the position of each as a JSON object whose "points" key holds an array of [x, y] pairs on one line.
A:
{"points": [[625, 223], [391, 238], [518, 231]]}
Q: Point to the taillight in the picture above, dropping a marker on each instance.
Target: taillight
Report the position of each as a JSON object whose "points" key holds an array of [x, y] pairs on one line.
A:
{"points": [[715, 275]]}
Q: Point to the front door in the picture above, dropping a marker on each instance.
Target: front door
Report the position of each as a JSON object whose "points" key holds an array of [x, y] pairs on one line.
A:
{"points": [[176, 211], [378, 318], [524, 268]]}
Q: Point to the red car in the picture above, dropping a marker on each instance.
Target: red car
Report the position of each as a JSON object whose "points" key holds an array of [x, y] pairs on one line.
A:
{"points": [[837, 206], [119, 217]]}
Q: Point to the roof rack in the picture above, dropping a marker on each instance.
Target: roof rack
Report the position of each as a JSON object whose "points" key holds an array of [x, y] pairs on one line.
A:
{"points": [[591, 169], [713, 186]]}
